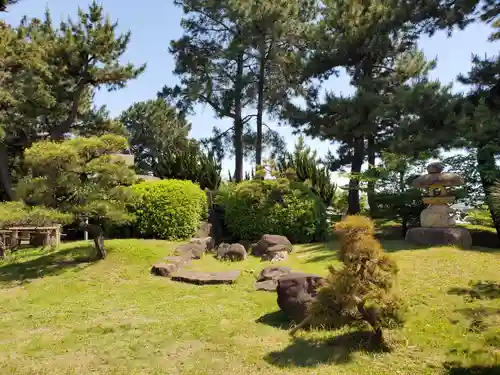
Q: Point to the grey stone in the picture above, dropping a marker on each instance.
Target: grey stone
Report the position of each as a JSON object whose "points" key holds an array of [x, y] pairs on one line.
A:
{"points": [[164, 269], [234, 252], [207, 242], [205, 278], [427, 236], [267, 286], [190, 250], [273, 272]]}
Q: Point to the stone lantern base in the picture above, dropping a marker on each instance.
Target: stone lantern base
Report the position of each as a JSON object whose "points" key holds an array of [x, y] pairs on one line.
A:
{"points": [[427, 236]]}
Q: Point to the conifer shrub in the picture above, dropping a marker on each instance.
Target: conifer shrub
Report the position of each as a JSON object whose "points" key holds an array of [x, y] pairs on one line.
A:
{"points": [[288, 208], [362, 291], [169, 209]]}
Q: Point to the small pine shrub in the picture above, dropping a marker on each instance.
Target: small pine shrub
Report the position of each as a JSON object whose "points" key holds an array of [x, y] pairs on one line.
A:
{"points": [[363, 289], [256, 207], [19, 214], [169, 209]]}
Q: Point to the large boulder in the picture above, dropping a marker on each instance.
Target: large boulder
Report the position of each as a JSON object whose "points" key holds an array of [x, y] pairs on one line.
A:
{"points": [[270, 245], [268, 278], [295, 292], [190, 250], [164, 269], [426, 236], [206, 242], [234, 252]]}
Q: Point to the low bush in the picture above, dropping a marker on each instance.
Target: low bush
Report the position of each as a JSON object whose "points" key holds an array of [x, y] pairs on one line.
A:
{"points": [[480, 216], [169, 209], [19, 214], [256, 207]]}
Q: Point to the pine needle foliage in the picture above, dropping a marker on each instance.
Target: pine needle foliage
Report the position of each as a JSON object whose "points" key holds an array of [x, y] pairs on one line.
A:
{"points": [[362, 291]]}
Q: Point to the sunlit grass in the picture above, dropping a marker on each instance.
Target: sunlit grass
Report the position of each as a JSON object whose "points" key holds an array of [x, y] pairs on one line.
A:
{"points": [[61, 314]]}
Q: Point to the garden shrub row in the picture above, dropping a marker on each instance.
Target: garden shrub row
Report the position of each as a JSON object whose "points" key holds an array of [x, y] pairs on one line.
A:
{"points": [[169, 209], [289, 208]]}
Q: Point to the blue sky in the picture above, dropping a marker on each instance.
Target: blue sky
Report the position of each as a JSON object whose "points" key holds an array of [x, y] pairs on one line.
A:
{"points": [[155, 22]]}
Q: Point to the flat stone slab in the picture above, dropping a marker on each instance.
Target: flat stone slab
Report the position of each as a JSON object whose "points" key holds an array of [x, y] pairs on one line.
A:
{"points": [[426, 236], [205, 278], [266, 286], [178, 260]]}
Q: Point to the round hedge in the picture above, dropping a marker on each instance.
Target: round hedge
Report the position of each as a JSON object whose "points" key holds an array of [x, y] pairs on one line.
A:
{"points": [[256, 207], [169, 209]]}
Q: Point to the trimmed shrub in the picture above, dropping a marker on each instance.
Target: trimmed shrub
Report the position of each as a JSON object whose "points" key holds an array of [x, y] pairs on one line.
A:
{"points": [[480, 216], [169, 209], [19, 214], [256, 207]]}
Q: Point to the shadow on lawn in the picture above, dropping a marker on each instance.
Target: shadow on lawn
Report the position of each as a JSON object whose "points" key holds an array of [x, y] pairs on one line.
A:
{"points": [[54, 263], [473, 370], [478, 290], [311, 353], [276, 319]]}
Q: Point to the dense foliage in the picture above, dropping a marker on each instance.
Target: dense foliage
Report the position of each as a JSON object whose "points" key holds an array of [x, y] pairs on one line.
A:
{"points": [[80, 176], [169, 209], [17, 213], [363, 289], [289, 208]]}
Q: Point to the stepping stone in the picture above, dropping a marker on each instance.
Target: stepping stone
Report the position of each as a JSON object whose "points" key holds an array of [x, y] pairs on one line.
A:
{"points": [[190, 250], [205, 278], [267, 285], [178, 260], [164, 269]]}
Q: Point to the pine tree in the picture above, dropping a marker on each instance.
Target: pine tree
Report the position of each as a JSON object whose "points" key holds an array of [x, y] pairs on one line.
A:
{"points": [[49, 78], [363, 289], [81, 177]]}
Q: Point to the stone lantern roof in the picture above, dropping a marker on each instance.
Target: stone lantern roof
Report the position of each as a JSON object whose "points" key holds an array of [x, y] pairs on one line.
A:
{"points": [[436, 176]]}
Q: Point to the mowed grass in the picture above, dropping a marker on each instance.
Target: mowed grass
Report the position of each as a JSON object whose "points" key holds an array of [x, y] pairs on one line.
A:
{"points": [[60, 314]]}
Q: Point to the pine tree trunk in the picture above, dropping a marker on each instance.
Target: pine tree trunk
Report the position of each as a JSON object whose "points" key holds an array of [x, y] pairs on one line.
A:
{"points": [[238, 121], [488, 172], [354, 206], [95, 231], [371, 184], [307, 320], [5, 177], [260, 104], [372, 320]]}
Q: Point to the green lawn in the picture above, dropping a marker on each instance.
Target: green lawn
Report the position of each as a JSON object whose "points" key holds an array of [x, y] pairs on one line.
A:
{"points": [[61, 315]]}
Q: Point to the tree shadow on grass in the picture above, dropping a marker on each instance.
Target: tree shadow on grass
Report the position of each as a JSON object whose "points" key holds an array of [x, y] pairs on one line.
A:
{"points": [[473, 370], [276, 319], [479, 290], [338, 350], [20, 271]]}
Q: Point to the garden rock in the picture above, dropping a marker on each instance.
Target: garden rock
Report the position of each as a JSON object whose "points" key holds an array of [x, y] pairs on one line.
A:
{"points": [[295, 292], [205, 278], [234, 252], [178, 260], [275, 256], [190, 251], [204, 230], [273, 272], [164, 269], [271, 243], [267, 279], [206, 242]]}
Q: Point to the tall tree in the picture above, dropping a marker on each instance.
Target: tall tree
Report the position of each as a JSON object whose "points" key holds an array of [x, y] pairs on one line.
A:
{"points": [[5, 3], [67, 64], [88, 181], [154, 128], [275, 31], [211, 61]]}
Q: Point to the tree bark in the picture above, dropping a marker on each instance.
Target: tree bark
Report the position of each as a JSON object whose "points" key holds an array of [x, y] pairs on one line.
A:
{"points": [[488, 172], [371, 183], [5, 177], [307, 320], [97, 235], [260, 104], [354, 205], [238, 121], [372, 320], [57, 132]]}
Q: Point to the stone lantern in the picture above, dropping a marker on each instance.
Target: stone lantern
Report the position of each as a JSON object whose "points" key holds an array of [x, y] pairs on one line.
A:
{"points": [[437, 224]]}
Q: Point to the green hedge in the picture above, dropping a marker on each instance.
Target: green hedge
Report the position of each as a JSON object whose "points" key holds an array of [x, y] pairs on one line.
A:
{"points": [[256, 207], [169, 209]]}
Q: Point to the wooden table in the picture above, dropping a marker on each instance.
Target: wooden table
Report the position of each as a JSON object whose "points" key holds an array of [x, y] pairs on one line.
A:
{"points": [[38, 236]]}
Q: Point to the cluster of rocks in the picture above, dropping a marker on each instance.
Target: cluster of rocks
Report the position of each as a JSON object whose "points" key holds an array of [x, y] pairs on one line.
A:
{"points": [[172, 266], [269, 248], [295, 290]]}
